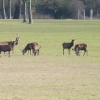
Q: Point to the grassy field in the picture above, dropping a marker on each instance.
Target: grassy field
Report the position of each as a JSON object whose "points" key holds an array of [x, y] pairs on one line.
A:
{"points": [[51, 75]]}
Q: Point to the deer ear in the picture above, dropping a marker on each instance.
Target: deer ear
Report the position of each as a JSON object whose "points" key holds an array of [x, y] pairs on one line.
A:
{"points": [[15, 35]]}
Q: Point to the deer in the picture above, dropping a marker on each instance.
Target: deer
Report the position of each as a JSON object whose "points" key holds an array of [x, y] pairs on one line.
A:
{"points": [[15, 43], [68, 45], [7, 46], [78, 47], [34, 46]]}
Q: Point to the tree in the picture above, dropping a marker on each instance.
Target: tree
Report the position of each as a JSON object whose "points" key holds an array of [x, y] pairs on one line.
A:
{"points": [[73, 8], [17, 13], [92, 4], [24, 16], [3, 10], [58, 9], [30, 13], [9, 9]]}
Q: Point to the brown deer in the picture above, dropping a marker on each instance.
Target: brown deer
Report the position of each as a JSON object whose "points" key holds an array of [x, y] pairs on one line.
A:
{"points": [[79, 47], [32, 46], [68, 45], [15, 43], [6, 47]]}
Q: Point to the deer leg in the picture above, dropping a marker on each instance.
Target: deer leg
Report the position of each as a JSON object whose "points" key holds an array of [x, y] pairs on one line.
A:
{"points": [[30, 52], [75, 52], [63, 51], [78, 53], [0, 53], [38, 52], [34, 52], [13, 51], [69, 51], [85, 51], [8, 53]]}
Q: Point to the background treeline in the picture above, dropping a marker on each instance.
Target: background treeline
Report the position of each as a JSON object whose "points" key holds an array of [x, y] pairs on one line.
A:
{"points": [[57, 9]]}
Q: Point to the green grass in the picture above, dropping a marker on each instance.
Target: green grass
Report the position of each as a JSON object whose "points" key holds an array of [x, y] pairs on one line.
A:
{"points": [[54, 32], [51, 76]]}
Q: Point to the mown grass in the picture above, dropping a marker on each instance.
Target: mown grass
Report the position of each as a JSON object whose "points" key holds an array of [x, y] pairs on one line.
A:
{"points": [[53, 32], [51, 76]]}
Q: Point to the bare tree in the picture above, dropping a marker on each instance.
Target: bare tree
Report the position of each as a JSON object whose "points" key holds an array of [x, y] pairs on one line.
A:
{"points": [[9, 9], [3, 9], [73, 8], [24, 16], [17, 12], [30, 13]]}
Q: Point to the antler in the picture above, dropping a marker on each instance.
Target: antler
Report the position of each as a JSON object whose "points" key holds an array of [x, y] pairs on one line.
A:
{"points": [[72, 36], [15, 35]]}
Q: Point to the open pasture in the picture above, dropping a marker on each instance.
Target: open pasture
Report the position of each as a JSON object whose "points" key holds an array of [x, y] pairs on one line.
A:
{"points": [[51, 75]]}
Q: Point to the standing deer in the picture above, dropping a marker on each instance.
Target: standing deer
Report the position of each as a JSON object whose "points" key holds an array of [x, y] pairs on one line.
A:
{"points": [[7, 46], [16, 42], [7, 42], [68, 45], [79, 47]]}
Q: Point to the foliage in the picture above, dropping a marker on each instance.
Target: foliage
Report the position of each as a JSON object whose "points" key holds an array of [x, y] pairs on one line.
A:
{"points": [[56, 8]]}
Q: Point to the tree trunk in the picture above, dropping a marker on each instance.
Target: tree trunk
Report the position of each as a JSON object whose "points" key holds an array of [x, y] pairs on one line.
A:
{"points": [[19, 2], [24, 16], [17, 14], [9, 9], [3, 10], [30, 13]]}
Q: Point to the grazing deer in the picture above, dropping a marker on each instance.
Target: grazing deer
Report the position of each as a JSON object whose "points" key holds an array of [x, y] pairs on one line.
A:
{"points": [[27, 48], [32, 46], [79, 47], [68, 45]]}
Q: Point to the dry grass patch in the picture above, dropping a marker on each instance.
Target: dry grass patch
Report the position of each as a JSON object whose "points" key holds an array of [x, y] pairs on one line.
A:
{"points": [[49, 78]]}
